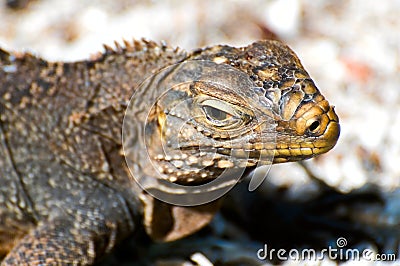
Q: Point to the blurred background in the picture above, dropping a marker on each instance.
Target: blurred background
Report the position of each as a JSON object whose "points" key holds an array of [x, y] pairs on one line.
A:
{"points": [[351, 48]]}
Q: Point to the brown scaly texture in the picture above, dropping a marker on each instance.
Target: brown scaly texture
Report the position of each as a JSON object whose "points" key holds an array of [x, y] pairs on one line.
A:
{"points": [[65, 192]]}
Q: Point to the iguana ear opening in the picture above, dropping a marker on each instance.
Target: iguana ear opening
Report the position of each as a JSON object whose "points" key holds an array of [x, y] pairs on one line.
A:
{"points": [[164, 222]]}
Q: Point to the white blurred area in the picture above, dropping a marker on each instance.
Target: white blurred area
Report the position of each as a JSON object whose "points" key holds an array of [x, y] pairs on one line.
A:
{"points": [[350, 48]]}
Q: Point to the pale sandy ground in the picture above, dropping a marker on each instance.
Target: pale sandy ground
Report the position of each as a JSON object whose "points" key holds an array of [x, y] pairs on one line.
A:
{"points": [[351, 49]]}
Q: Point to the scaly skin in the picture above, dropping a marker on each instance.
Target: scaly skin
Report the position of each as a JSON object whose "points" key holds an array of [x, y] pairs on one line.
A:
{"points": [[66, 196]]}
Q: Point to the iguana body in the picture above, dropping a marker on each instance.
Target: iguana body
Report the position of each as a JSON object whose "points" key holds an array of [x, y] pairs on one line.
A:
{"points": [[65, 192]]}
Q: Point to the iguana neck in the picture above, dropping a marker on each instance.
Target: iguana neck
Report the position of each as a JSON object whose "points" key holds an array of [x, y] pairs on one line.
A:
{"points": [[80, 106]]}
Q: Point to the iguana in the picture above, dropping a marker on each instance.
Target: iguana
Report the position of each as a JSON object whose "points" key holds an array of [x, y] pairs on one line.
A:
{"points": [[67, 195]]}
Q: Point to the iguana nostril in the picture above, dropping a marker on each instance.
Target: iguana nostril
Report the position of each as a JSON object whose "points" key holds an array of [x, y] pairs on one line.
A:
{"points": [[314, 126]]}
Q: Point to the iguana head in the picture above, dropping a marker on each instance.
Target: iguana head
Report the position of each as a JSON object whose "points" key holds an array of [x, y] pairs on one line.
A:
{"points": [[225, 107], [216, 113]]}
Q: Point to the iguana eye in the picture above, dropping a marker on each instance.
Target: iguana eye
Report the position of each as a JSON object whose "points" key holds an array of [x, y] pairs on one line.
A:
{"points": [[216, 114], [313, 128], [219, 113]]}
